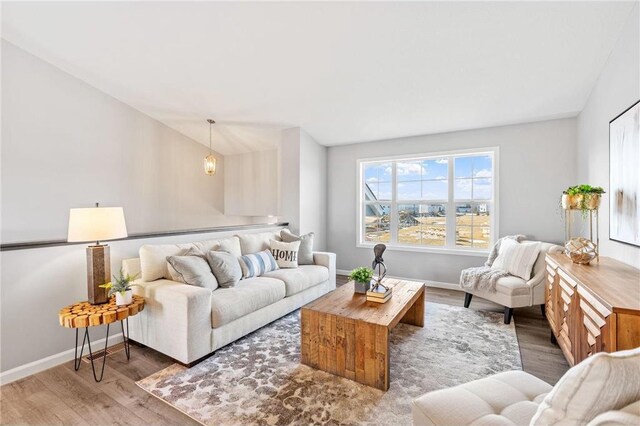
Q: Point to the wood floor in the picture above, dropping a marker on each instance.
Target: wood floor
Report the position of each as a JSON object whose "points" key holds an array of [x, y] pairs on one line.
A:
{"points": [[63, 396]]}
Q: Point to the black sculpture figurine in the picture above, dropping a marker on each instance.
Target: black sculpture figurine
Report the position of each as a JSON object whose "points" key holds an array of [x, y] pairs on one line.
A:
{"points": [[378, 262]]}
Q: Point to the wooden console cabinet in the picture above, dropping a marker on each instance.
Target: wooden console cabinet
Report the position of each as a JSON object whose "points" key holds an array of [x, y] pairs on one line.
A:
{"points": [[592, 308]]}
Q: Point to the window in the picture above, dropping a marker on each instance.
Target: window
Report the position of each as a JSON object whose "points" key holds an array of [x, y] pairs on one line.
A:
{"points": [[431, 202]]}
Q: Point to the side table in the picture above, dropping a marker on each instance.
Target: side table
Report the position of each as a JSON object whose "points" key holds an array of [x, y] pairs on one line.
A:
{"points": [[85, 315]]}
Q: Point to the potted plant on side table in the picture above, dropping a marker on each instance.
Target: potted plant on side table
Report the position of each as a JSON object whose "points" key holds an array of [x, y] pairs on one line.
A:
{"points": [[121, 287], [361, 279]]}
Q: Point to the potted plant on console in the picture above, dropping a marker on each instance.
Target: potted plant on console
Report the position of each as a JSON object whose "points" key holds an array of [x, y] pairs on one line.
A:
{"points": [[586, 199], [582, 197], [121, 287], [362, 279]]}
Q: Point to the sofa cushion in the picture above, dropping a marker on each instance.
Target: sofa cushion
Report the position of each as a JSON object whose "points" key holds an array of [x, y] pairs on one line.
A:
{"points": [[301, 278], [231, 245], [502, 399], [256, 264], [192, 270], [512, 286], [286, 254], [305, 251], [602, 382], [517, 258], [153, 257], [225, 267], [253, 243], [228, 304]]}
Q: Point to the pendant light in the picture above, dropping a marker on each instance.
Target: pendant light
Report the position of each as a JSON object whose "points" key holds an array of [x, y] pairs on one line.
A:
{"points": [[210, 160]]}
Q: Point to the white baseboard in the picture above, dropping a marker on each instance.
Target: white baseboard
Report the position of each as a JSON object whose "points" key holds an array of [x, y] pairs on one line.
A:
{"points": [[51, 361], [428, 283]]}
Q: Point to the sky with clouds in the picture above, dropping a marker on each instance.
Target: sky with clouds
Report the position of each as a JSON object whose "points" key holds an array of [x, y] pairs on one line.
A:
{"points": [[427, 179]]}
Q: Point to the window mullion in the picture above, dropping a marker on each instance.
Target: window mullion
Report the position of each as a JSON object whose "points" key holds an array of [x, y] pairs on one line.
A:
{"points": [[451, 212], [393, 220]]}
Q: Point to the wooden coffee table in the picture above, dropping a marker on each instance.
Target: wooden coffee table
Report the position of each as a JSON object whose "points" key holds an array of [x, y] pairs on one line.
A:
{"points": [[345, 335]]}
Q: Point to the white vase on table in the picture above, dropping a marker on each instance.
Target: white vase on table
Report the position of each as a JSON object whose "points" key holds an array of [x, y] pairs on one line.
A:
{"points": [[124, 299]]}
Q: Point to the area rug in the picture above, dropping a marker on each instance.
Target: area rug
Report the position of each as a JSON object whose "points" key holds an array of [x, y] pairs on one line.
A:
{"points": [[258, 380]]}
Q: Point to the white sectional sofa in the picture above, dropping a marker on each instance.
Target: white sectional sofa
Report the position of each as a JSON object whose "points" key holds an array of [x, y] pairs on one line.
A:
{"points": [[187, 322]]}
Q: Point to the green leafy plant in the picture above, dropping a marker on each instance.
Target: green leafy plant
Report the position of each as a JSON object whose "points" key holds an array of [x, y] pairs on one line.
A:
{"points": [[120, 283], [362, 274], [582, 197], [583, 189]]}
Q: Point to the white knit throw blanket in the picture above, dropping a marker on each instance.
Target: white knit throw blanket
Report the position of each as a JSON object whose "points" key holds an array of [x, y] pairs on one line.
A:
{"points": [[483, 277]]}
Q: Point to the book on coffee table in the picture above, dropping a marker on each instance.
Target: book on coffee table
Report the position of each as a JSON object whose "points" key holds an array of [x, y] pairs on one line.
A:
{"points": [[378, 299], [379, 294]]}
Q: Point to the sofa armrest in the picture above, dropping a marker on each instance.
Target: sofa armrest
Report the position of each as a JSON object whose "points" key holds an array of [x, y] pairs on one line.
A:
{"points": [[327, 260], [176, 319]]}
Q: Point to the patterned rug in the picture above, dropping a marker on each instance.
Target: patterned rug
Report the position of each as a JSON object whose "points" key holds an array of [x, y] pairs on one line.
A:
{"points": [[258, 380]]}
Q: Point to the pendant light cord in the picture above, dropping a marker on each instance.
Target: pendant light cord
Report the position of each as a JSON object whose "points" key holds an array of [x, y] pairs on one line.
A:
{"points": [[211, 123]]}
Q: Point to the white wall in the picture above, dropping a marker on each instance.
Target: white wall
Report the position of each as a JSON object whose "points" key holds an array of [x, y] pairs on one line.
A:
{"points": [[251, 186], [66, 144], [289, 152], [304, 185], [313, 189], [536, 161], [617, 88]]}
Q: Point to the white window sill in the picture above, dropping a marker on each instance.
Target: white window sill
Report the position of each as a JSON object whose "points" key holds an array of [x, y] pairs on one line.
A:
{"points": [[438, 250]]}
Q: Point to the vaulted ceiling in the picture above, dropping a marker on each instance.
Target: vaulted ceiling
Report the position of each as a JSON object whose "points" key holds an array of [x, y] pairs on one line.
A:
{"points": [[345, 72]]}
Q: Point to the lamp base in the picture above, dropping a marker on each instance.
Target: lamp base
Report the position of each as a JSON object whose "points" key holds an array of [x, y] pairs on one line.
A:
{"points": [[98, 273]]}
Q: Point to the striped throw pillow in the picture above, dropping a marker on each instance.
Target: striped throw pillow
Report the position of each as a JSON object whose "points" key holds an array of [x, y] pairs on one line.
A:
{"points": [[256, 264], [517, 258]]}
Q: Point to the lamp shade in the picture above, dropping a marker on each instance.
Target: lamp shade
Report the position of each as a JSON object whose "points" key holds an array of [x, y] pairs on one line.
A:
{"points": [[96, 224]]}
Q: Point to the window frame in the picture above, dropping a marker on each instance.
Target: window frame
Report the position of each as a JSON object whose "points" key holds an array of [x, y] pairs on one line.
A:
{"points": [[450, 203]]}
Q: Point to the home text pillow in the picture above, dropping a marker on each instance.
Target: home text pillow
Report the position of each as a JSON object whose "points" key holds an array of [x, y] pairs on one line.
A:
{"points": [[305, 252], [253, 243], [286, 254], [225, 268], [256, 264], [517, 258], [600, 383], [193, 270]]}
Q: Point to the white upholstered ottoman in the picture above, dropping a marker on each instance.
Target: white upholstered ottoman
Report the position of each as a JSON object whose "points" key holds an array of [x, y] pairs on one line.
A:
{"points": [[503, 399]]}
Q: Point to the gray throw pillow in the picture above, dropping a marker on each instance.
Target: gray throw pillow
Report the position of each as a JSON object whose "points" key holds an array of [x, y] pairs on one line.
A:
{"points": [[305, 252], [192, 270], [225, 267]]}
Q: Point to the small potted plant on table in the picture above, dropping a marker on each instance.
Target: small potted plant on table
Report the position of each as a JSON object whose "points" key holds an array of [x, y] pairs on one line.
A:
{"points": [[121, 287], [362, 279]]}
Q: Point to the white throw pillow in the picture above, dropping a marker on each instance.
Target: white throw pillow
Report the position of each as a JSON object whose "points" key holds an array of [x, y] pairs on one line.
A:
{"points": [[600, 383], [286, 254], [517, 258], [153, 259]]}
